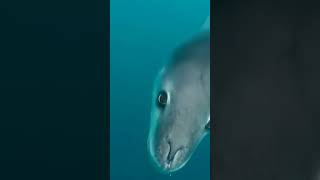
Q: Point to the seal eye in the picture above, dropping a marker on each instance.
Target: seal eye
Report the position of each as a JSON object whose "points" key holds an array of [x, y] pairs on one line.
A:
{"points": [[162, 98]]}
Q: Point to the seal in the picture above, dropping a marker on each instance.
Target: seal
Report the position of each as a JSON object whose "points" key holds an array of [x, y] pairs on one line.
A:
{"points": [[180, 112]]}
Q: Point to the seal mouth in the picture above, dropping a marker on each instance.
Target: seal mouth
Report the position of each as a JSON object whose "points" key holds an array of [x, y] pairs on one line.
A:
{"points": [[172, 157]]}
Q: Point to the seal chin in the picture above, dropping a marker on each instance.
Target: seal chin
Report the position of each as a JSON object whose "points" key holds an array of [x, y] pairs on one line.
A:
{"points": [[166, 155], [171, 162]]}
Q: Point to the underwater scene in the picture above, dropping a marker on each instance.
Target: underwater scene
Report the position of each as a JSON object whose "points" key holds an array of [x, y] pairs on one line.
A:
{"points": [[143, 37]]}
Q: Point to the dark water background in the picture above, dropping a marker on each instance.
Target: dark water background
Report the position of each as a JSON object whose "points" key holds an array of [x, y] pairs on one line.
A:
{"points": [[143, 34]]}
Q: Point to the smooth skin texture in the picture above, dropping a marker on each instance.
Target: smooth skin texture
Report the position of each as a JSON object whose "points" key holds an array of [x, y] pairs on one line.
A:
{"points": [[180, 113]]}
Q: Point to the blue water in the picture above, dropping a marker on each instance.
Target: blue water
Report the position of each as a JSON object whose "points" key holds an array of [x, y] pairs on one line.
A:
{"points": [[143, 35]]}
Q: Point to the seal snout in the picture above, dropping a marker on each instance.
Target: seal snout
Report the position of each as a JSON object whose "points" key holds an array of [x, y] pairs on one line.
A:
{"points": [[173, 154], [169, 156]]}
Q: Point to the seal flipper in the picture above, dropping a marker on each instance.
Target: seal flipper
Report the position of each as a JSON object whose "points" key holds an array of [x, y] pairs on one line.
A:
{"points": [[206, 27], [208, 125]]}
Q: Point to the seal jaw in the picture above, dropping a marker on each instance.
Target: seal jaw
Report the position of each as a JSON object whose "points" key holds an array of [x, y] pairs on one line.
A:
{"points": [[166, 157], [172, 158]]}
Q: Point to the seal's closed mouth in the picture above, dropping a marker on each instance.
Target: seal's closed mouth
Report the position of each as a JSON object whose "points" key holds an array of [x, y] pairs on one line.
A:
{"points": [[172, 157]]}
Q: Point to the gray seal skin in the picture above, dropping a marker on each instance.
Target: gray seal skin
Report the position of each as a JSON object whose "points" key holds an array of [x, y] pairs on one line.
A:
{"points": [[180, 113]]}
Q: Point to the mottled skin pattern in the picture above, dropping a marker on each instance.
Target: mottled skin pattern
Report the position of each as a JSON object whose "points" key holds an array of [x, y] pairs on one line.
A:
{"points": [[178, 127]]}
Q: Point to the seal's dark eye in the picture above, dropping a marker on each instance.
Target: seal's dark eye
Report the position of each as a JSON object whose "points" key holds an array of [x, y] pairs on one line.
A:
{"points": [[162, 98]]}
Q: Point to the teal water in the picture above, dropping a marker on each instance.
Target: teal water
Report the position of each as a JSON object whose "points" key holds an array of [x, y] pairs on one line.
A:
{"points": [[143, 35]]}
